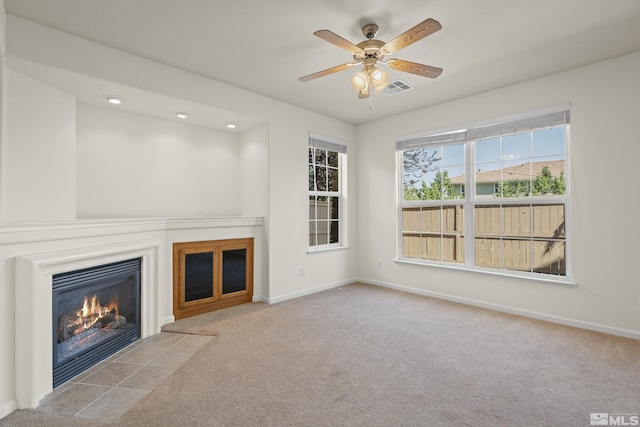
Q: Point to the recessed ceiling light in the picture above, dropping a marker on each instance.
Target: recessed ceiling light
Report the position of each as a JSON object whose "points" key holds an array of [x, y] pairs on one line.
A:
{"points": [[231, 125], [182, 115], [114, 99]]}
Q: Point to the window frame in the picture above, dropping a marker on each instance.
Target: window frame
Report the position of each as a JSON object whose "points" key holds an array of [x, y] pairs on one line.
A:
{"points": [[339, 147], [470, 201], [443, 203]]}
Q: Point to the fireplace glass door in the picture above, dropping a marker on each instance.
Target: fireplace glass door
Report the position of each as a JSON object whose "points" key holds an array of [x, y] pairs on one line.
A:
{"points": [[96, 312]]}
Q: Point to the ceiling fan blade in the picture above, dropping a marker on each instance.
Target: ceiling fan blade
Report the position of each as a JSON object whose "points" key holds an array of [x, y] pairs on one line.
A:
{"points": [[328, 71], [414, 68], [338, 41], [420, 31]]}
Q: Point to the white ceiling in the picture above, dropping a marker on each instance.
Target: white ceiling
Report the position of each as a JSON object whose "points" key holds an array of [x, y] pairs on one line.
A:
{"points": [[265, 45]]}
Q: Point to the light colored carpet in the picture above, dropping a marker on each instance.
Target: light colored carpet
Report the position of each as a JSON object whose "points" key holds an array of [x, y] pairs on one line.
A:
{"points": [[362, 355]]}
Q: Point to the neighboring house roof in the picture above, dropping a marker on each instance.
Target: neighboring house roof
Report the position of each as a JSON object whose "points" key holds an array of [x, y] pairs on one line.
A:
{"points": [[510, 173]]}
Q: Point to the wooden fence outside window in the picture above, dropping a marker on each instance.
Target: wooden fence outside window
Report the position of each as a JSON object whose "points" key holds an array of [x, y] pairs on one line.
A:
{"points": [[512, 237]]}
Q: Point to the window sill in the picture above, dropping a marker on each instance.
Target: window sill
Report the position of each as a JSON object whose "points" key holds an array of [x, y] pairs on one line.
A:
{"points": [[552, 280], [312, 251]]}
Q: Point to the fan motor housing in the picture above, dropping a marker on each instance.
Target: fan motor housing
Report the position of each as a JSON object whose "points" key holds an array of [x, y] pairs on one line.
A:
{"points": [[370, 31], [371, 49]]}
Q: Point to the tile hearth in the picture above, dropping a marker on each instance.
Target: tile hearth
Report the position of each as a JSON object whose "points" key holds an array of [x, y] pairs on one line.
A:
{"points": [[112, 387]]}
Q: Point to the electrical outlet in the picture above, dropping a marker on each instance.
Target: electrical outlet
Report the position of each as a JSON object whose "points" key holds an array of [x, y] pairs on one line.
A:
{"points": [[379, 265], [302, 271]]}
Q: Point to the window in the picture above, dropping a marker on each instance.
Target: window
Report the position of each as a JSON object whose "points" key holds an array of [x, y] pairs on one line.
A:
{"points": [[326, 165], [432, 220], [512, 218]]}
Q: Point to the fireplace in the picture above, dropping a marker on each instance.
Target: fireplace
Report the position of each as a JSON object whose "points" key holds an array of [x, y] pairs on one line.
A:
{"points": [[95, 313], [34, 355], [33, 254]]}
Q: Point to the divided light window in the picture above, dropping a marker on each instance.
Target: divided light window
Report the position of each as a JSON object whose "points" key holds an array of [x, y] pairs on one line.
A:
{"points": [[488, 198], [326, 161]]}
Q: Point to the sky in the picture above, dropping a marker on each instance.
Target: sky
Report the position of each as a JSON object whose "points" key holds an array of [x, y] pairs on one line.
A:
{"points": [[496, 153]]}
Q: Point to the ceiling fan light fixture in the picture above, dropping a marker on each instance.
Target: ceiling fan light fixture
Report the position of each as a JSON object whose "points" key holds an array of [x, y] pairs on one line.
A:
{"points": [[359, 81], [379, 78], [369, 77], [372, 51]]}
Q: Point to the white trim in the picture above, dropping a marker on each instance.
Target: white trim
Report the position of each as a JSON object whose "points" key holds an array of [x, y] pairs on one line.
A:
{"points": [[539, 277], [311, 291], [8, 408], [33, 295], [167, 320], [326, 248], [568, 206], [11, 234], [533, 119], [327, 138], [340, 194], [627, 333], [485, 122]]}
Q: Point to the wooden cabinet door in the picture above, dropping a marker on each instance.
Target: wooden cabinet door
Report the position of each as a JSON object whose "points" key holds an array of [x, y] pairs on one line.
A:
{"points": [[210, 275]]}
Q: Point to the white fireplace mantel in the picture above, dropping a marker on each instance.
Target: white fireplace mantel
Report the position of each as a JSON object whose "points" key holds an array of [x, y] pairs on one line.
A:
{"points": [[18, 233], [40, 250], [33, 297]]}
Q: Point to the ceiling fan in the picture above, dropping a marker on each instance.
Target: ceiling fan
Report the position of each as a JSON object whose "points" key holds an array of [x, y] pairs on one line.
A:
{"points": [[372, 51]]}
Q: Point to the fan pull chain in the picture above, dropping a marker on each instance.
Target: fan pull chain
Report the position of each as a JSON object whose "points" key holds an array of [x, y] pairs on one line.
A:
{"points": [[370, 93]]}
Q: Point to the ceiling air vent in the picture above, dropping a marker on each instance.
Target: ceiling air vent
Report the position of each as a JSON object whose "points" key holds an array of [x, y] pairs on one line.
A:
{"points": [[396, 87]]}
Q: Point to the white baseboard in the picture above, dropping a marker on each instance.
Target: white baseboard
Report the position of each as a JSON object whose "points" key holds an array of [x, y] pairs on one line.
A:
{"points": [[8, 408], [299, 294], [627, 333], [257, 298], [166, 320]]}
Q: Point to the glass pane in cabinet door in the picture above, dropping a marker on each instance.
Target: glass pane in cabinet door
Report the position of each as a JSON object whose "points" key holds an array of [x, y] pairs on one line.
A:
{"points": [[234, 270], [198, 277]]}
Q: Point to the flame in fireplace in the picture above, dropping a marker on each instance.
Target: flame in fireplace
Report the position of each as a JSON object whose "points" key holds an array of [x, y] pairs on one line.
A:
{"points": [[92, 311], [95, 309], [92, 314]]}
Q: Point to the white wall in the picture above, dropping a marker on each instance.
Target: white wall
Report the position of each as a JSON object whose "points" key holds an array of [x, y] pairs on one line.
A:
{"points": [[289, 210], [254, 171], [254, 184], [273, 184], [603, 159], [7, 395], [38, 152], [603, 98], [3, 85], [130, 165], [288, 127]]}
